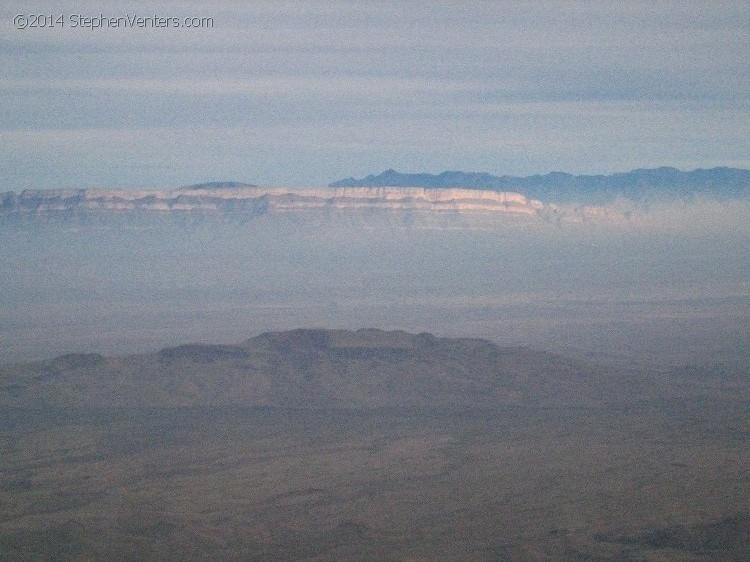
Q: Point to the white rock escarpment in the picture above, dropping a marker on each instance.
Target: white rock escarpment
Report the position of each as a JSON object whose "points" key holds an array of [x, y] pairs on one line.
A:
{"points": [[259, 200], [275, 198]]}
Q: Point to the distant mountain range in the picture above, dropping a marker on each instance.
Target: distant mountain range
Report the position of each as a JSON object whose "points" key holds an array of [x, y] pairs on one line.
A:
{"points": [[339, 369], [307, 369], [238, 199], [557, 196], [301, 369], [560, 187]]}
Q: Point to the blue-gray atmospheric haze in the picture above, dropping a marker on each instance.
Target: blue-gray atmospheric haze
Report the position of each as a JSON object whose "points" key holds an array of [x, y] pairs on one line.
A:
{"points": [[305, 93], [675, 289]]}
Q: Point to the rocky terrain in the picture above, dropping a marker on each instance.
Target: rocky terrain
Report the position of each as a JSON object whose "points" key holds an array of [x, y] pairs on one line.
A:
{"points": [[369, 445]]}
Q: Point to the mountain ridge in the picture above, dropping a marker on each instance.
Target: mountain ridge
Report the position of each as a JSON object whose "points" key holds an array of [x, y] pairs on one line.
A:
{"points": [[254, 201], [334, 369], [308, 368], [555, 197], [562, 187]]}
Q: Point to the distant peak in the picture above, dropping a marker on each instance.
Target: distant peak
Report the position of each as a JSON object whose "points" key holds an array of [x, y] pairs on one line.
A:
{"points": [[220, 185]]}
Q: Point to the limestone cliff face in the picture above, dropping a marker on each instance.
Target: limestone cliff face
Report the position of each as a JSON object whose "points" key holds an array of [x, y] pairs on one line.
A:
{"points": [[275, 198], [258, 200]]}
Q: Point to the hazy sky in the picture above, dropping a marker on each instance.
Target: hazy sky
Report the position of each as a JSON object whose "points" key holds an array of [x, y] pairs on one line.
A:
{"points": [[304, 93]]}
